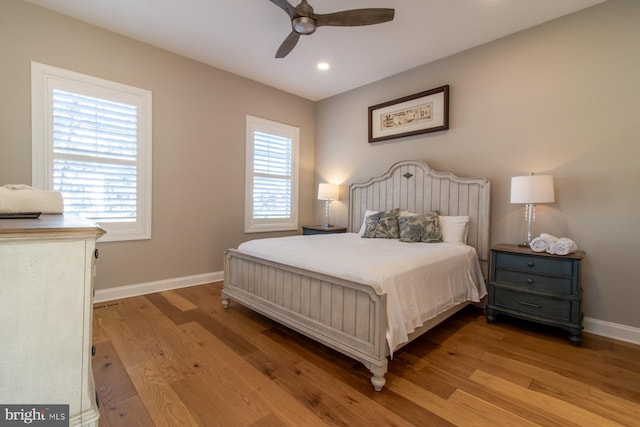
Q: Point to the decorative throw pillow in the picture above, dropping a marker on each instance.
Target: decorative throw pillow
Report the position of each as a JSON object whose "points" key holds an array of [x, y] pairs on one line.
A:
{"points": [[364, 222], [420, 228], [382, 225]]}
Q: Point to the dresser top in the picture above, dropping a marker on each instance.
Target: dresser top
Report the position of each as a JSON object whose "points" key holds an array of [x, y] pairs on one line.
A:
{"points": [[504, 247], [49, 226]]}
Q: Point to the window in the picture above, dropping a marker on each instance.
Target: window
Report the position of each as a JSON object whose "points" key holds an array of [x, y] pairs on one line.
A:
{"points": [[91, 140], [271, 176]]}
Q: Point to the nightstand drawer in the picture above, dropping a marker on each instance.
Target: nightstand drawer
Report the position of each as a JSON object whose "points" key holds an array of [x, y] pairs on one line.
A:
{"points": [[556, 266], [533, 282], [556, 309]]}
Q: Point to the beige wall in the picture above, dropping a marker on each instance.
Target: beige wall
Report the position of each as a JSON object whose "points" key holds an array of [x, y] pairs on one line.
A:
{"points": [[198, 138], [561, 98]]}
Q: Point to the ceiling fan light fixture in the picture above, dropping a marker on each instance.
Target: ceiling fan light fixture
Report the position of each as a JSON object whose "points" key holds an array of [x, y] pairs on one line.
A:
{"points": [[304, 25]]}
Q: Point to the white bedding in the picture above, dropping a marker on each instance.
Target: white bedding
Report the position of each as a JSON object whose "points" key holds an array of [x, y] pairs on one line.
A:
{"points": [[421, 280]]}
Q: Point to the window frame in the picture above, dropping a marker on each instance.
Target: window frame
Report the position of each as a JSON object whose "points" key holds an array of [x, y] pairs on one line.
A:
{"points": [[256, 225], [46, 78]]}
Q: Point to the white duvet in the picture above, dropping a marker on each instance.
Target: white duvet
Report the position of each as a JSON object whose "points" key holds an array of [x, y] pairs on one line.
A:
{"points": [[421, 280]]}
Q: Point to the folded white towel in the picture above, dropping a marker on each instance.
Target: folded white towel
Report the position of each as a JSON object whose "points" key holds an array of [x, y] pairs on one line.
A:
{"points": [[563, 246], [23, 198], [543, 242]]}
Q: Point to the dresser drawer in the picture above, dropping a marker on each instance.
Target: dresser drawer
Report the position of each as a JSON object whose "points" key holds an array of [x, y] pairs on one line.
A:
{"points": [[556, 309], [537, 264], [556, 285]]}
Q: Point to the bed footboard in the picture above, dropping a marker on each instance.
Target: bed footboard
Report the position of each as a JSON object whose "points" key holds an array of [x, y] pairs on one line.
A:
{"points": [[344, 315]]}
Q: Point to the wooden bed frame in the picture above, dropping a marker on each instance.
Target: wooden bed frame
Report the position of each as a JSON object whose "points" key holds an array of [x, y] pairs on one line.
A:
{"points": [[345, 315]]}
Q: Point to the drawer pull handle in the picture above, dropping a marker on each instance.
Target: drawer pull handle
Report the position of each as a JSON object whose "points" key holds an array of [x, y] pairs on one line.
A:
{"points": [[530, 264], [530, 281], [528, 304]]}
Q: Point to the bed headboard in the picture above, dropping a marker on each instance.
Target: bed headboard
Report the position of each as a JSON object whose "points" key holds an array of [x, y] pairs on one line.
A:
{"points": [[412, 186]]}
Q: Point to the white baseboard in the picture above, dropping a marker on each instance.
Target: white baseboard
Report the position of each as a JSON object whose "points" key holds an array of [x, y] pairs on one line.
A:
{"points": [[110, 294], [612, 330], [593, 326]]}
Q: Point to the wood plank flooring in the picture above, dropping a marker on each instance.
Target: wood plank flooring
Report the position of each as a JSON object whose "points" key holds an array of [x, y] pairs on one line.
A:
{"points": [[178, 358]]}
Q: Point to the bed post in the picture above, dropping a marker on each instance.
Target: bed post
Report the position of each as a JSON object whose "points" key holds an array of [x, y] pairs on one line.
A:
{"points": [[227, 277], [377, 380]]}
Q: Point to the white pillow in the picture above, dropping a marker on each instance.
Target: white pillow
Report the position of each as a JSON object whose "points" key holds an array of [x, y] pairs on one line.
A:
{"points": [[364, 221], [454, 229]]}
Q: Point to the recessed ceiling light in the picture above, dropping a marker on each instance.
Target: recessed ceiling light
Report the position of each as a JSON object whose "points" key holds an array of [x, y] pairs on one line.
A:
{"points": [[323, 66]]}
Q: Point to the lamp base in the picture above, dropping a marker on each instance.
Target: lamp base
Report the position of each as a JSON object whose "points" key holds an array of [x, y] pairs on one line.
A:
{"points": [[327, 213], [529, 217]]}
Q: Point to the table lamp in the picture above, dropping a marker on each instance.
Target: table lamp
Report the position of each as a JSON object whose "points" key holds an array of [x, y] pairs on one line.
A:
{"points": [[531, 190], [328, 193]]}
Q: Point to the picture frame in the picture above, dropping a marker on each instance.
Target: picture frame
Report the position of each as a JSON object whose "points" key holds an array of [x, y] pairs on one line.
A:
{"points": [[423, 112]]}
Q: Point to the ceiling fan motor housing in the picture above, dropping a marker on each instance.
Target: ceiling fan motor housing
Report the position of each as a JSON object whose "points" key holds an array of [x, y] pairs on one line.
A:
{"points": [[304, 25]]}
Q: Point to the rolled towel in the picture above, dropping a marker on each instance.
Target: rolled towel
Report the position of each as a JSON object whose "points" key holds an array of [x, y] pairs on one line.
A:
{"points": [[563, 246], [539, 244], [543, 242], [16, 198]]}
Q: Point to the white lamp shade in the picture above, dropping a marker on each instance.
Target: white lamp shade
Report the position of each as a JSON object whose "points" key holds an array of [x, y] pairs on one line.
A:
{"points": [[328, 191], [532, 189]]}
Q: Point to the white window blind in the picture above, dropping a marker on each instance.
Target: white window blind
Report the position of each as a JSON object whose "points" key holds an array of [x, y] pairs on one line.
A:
{"points": [[92, 142], [271, 176], [94, 156], [272, 164]]}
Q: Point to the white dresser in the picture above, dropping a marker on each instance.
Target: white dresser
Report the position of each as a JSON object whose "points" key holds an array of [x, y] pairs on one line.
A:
{"points": [[46, 295]]}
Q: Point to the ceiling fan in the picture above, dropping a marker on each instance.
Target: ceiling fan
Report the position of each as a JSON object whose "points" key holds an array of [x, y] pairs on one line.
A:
{"points": [[305, 22]]}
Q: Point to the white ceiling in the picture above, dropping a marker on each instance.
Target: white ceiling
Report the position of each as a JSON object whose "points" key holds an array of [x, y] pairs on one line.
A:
{"points": [[242, 36]]}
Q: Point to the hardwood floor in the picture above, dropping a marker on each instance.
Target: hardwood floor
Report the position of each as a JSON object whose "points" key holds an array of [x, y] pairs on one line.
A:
{"points": [[177, 358]]}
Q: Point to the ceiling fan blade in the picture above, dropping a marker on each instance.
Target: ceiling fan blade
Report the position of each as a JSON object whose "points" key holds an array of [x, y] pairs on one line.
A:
{"points": [[287, 45], [286, 6], [355, 17]]}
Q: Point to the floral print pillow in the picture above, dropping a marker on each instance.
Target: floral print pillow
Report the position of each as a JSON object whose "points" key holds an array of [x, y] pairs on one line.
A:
{"points": [[382, 225], [420, 228]]}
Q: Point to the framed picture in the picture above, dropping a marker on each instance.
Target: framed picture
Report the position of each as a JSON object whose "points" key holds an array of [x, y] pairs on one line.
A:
{"points": [[423, 112]]}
